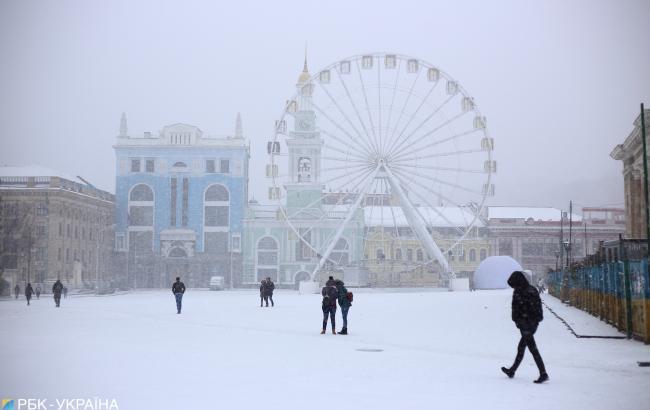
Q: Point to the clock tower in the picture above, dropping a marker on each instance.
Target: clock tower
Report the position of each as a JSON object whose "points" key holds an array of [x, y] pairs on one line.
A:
{"points": [[304, 145]]}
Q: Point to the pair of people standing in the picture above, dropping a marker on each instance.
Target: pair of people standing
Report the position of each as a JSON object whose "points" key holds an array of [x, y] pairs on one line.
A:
{"points": [[266, 291], [333, 291]]}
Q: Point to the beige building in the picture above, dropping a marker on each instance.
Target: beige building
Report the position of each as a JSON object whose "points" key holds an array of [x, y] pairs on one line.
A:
{"points": [[54, 226], [631, 153]]}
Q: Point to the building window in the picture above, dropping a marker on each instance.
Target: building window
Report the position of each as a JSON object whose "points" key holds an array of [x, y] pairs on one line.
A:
{"points": [[135, 165], [419, 256], [172, 199], [483, 254], [224, 166], [472, 255], [209, 166], [236, 243], [216, 206], [267, 258], [58, 256], [409, 254], [141, 217], [67, 255], [119, 242], [186, 188], [398, 254], [76, 232], [340, 253], [68, 231], [41, 209], [150, 165], [60, 229]]}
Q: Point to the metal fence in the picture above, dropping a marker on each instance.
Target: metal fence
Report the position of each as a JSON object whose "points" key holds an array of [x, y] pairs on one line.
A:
{"points": [[616, 291]]}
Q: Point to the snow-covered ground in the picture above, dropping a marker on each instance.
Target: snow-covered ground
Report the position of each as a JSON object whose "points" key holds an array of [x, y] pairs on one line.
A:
{"points": [[440, 350]]}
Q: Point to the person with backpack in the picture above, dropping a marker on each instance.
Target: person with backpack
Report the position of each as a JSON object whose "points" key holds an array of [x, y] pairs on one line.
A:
{"points": [[178, 289], [345, 301], [57, 289], [330, 294], [526, 313]]}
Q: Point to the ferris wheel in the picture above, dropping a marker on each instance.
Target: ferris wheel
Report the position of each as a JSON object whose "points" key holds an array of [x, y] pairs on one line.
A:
{"points": [[376, 152]]}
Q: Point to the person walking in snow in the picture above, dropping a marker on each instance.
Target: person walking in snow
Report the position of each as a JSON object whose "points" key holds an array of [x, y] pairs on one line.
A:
{"points": [[262, 292], [17, 290], [344, 303], [65, 292], [178, 289], [29, 291], [57, 289], [38, 292], [330, 281], [270, 287], [330, 295], [526, 313]]}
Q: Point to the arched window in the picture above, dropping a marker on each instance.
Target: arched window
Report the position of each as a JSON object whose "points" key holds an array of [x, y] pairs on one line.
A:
{"points": [[177, 253], [419, 256], [267, 258], [216, 218], [179, 164], [140, 218], [380, 255], [409, 254], [340, 253], [472, 255], [398, 254], [483, 254]]}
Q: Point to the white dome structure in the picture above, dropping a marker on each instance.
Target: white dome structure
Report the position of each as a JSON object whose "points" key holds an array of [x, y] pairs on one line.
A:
{"points": [[494, 272]]}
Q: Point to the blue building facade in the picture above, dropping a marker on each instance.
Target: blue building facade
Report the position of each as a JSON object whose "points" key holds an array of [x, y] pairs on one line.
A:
{"points": [[180, 200]]}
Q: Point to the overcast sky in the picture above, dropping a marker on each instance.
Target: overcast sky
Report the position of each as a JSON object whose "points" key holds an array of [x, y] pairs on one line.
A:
{"points": [[559, 81]]}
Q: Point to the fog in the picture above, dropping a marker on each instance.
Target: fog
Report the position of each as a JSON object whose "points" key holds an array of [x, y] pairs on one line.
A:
{"points": [[559, 82]]}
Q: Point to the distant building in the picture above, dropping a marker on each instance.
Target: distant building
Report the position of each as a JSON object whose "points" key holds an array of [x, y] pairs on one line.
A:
{"points": [[532, 235], [54, 226], [180, 196], [631, 153]]}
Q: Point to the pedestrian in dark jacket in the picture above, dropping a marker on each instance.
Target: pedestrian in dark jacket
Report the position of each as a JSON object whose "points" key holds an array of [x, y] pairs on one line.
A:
{"points": [[262, 290], [38, 292], [270, 287], [526, 313], [57, 288], [330, 294], [29, 291], [65, 292], [17, 291], [330, 281], [344, 303], [178, 289]]}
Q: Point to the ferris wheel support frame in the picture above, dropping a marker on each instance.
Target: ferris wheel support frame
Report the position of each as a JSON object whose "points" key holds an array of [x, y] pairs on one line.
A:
{"points": [[416, 222], [341, 228]]}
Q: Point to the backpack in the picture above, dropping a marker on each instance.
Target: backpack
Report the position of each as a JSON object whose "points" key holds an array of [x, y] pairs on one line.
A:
{"points": [[350, 296]]}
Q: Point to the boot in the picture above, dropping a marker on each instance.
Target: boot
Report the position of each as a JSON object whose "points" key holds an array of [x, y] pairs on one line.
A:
{"points": [[509, 372], [542, 378], [344, 331], [322, 332], [333, 331]]}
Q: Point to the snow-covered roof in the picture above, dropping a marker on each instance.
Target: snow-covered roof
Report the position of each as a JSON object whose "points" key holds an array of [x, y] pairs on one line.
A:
{"points": [[522, 212], [439, 216], [36, 171]]}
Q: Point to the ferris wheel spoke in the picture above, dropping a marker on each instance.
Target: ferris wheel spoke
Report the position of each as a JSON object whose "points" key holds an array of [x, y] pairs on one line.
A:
{"points": [[362, 154], [392, 104], [356, 141], [365, 98], [401, 114], [397, 147], [438, 194], [435, 168], [361, 178], [379, 100], [354, 106], [417, 148], [433, 208], [438, 180], [436, 129], [442, 154], [396, 141], [339, 159]]}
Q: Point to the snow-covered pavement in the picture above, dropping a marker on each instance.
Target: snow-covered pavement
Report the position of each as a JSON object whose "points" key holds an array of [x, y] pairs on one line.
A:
{"points": [[440, 350]]}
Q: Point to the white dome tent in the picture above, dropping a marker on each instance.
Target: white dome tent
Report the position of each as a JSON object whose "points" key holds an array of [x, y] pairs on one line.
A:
{"points": [[494, 272]]}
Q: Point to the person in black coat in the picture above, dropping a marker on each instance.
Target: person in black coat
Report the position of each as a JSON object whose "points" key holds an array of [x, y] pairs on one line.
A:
{"points": [[526, 313], [330, 295], [178, 289], [17, 291], [29, 291], [57, 288], [270, 287]]}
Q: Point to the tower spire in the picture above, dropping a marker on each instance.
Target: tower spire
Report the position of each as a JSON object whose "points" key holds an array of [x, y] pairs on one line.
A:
{"points": [[304, 70], [239, 133], [123, 127]]}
